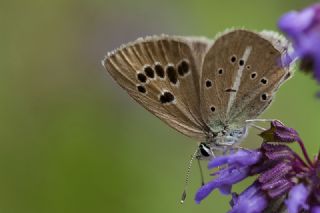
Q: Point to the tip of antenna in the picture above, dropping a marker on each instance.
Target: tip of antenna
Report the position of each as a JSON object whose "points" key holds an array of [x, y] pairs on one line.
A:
{"points": [[183, 197]]}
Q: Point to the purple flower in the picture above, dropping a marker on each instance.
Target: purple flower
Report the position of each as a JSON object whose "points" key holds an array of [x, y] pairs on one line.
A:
{"points": [[252, 200], [236, 170], [284, 179], [303, 28], [297, 199], [315, 209], [279, 133]]}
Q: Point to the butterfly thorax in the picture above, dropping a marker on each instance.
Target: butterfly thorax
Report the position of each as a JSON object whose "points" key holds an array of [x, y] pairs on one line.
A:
{"points": [[226, 137]]}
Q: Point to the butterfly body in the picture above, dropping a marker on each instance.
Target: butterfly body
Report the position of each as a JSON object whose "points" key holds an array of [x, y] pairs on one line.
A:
{"points": [[204, 89]]}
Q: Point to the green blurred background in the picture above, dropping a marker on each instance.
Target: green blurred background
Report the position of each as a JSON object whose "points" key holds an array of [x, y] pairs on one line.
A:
{"points": [[72, 141]]}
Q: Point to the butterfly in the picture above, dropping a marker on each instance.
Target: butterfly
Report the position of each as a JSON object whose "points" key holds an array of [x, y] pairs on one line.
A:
{"points": [[205, 89]]}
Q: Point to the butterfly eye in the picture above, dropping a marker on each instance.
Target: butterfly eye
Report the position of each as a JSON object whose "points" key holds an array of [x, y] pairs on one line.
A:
{"points": [[248, 67], [204, 150]]}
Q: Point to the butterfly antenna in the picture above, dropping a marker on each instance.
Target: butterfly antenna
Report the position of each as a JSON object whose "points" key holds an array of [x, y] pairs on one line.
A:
{"points": [[184, 194]]}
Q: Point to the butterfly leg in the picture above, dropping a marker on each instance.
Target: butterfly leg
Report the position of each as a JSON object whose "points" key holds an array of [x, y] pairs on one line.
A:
{"points": [[242, 148], [201, 172], [260, 120], [252, 121], [258, 127], [228, 149]]}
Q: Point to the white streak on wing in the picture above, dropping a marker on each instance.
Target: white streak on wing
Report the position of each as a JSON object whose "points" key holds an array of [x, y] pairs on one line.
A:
{"points": [[236, 83]]}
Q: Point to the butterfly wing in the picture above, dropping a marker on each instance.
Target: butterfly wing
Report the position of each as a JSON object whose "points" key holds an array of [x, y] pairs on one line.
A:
{"points": [[162, 74], [241, 72]]}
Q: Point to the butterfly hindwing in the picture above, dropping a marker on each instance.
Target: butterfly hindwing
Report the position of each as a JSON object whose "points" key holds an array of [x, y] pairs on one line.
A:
{"points": [[241, 72], [162, 74]]}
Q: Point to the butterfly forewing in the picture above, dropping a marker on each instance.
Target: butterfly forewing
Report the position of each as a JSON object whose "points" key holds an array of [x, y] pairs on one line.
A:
{"points": [[162, 74], [241, 72]]}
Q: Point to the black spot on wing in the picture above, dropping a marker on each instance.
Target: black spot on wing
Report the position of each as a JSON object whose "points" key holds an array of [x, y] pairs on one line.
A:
{"points": [[159, 70], [172, 74], [230, 90], [183, 68], [149, 71], [142, 77], [166, 97]]}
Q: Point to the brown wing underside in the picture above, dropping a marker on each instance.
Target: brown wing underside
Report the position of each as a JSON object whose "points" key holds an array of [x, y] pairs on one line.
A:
{"points": [[195, 85], [244, 70], [162, 74]]}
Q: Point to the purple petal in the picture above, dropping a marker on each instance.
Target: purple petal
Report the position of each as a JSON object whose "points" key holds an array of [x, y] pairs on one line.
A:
{"points": [[277, 172], [274, 184], [204, 191], [275, 147], [227, 177], [225, 189], [252, 200], [241, 158], [283, 133], [233, 175], [287, 154], [317, 68], [245, 158], [315, 209], [279, 133], [218, 161], [278, 152], [303, 28], [280, 190], [295, 22], [297, 199], [234, 199]]}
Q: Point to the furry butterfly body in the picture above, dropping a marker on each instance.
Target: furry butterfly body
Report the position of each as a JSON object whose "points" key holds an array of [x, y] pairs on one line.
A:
{"points": [[204, 89]]}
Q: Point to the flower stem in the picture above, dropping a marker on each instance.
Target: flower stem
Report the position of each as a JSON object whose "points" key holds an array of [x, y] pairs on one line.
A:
{"points": [[304, 151]]}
